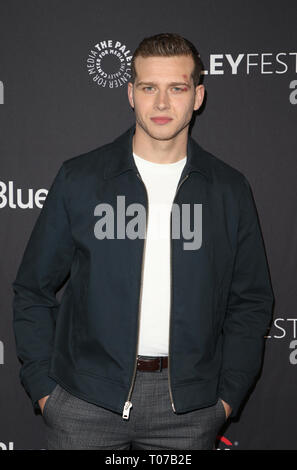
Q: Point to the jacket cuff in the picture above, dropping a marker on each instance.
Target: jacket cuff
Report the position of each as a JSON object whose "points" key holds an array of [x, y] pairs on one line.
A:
{"points": [[38, 386], [232, 394]]}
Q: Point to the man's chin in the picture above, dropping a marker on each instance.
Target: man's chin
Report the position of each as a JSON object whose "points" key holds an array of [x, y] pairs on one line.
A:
{"points": [[162, 134]]}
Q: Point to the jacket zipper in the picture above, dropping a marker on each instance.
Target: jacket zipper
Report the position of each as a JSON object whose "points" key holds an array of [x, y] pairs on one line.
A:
{"points": [[128, 404], [169, 380]]}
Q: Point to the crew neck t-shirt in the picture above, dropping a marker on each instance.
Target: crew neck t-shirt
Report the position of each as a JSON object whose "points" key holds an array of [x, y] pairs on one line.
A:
{"points": [[161, 181]]}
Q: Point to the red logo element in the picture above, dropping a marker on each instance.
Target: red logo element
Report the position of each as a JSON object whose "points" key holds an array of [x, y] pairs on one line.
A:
{"points": [[224, 440]]}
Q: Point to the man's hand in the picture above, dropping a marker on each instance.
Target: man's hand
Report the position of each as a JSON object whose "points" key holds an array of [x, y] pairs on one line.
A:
{"points": [[228, 409], [42, 401]]}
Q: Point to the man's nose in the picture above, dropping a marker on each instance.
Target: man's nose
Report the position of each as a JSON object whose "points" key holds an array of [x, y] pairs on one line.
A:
{"points": [[162, 100]]}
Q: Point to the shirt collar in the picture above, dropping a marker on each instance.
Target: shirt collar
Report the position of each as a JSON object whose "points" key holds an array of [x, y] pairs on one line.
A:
{"points": [[119, 156]]}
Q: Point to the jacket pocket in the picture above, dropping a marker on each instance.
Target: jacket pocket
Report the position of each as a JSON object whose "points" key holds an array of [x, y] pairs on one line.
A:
{"points": [[47, 403], [222, 409], [221, 304]]}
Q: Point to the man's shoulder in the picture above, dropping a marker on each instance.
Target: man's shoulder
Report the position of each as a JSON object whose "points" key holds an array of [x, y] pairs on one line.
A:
{"points": [[95, 161], [87, 162], [222, 173]]}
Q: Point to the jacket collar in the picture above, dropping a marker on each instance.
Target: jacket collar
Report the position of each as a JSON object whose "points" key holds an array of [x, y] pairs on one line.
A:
{"points": [[120, 157]]}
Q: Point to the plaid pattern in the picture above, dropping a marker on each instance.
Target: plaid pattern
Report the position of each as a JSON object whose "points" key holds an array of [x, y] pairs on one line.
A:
{"points": [[72, 423]]}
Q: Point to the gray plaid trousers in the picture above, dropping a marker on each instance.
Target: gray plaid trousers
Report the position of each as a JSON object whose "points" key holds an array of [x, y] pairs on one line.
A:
{"points": [[73, 423]]}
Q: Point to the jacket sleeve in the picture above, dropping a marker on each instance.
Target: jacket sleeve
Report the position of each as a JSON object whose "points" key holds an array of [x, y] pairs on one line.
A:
{"points": [[249, 308], [44, 268]]}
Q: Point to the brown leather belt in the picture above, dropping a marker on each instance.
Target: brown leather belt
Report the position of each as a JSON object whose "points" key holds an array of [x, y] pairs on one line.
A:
{"points": [[151, 364]]}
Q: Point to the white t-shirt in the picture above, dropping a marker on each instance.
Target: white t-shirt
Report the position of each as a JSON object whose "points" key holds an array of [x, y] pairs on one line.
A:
{"points": [[161, 181]]}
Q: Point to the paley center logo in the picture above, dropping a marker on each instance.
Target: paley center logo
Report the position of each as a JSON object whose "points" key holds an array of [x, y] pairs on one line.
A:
{"points": [[109, 63], [131, 222]]}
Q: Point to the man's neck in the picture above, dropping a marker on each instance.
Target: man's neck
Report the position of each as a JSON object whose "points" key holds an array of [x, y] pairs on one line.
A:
{"points": [[160, 151]]}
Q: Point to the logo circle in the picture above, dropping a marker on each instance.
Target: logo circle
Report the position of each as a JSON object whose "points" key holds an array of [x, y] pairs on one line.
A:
{"points": [[109, 64]]}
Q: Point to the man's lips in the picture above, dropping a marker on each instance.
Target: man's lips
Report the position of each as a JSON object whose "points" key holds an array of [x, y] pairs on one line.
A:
{"points": [[161, 120]]}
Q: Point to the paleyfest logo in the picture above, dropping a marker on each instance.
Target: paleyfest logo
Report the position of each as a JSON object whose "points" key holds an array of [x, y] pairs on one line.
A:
{"points": [[109, 64], [286, 328]]}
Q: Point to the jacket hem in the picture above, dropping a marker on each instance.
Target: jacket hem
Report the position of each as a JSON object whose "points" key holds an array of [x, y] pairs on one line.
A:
{"points": [[91, 388], [83, 396]]}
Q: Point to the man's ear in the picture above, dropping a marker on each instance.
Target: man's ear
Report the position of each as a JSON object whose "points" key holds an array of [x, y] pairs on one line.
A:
{"points": [[199, 96], [130, 94]]}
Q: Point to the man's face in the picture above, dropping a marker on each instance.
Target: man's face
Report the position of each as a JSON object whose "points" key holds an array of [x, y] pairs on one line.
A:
{"points": [[164, 88]]}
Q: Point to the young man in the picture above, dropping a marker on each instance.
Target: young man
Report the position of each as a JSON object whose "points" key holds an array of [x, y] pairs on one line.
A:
{"points": [[157, 339]]}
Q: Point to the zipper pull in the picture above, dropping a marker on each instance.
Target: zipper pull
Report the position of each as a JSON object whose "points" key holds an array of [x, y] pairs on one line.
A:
{"points": [[126, 410], [173, 407]]}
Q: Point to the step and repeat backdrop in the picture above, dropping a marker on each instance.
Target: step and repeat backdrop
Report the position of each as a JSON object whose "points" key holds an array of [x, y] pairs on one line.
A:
{"points": [[64, 69]]}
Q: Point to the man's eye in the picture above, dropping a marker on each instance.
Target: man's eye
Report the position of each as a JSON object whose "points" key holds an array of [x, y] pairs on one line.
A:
{"points": [[151, 89], [177, 88], [148, 88]]}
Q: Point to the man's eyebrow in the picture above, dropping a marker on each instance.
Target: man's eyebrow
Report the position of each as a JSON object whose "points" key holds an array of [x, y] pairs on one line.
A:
{"points": [[170, 84]]}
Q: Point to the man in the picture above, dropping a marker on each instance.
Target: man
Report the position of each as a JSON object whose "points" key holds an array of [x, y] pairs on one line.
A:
{"points": [[157, 339]]}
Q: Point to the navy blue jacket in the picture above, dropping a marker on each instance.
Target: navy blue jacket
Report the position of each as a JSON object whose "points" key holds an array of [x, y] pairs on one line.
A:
{"points": [[221, 296]]}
